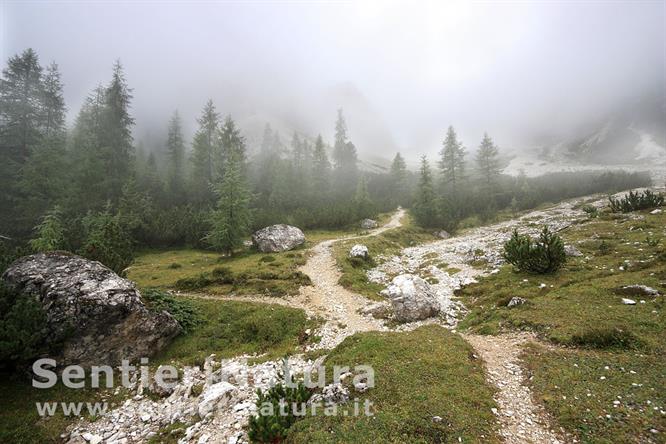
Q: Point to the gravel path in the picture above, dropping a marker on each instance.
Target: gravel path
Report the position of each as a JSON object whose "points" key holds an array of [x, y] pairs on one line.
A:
{"points": [[521, 420]]}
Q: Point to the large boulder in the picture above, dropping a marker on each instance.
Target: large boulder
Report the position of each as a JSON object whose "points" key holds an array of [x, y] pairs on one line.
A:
{"points": [[94, 316], [412, 298], [359, 250], [276, 238]]}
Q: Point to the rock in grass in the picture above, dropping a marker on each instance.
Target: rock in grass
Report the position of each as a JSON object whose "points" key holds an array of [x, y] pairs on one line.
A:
{"points": [[276, 238], [516, 301], [570, 250], [368, 224], [412, 298], [378, 310], [639, 290], [359, 250], [94, 316], [442, 234], [656, 211], [626, 301]]}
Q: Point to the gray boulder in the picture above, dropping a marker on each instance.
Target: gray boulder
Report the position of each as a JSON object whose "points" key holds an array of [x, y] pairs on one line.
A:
{"points": [[359, 250], [443, 234], [570, 250], [368, 224], [412, 298], [276, 238], [97, 316], [378, 310]]}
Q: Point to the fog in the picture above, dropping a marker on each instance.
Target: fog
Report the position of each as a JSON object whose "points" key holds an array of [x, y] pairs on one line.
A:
{"points": [[402, 71]]}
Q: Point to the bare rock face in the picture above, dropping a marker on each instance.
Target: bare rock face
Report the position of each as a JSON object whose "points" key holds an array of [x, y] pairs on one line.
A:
{"points": [[276, 238], [412, 298], [368, 224], [92, 314]]}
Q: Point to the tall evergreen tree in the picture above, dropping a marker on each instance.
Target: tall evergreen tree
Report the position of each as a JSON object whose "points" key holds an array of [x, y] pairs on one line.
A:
{"points": [[231, 220], [232, 144], [362, 202], [204, 150], [53, 102], [452, 161], [21, 100], [487, 162], [345, 157], [398, 177], [117, 134], [176, 157], [425, 201], [321, 170]]}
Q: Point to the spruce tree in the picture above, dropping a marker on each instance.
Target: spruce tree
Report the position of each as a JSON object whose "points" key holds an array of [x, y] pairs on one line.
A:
{"points": [[363, 204], [452, 161], [116, 137], [344, 157], [204, 148], [176, 157], [487, 162], [321, 170], [425, 201], [231, 220], [50, 233], [398, 177]]}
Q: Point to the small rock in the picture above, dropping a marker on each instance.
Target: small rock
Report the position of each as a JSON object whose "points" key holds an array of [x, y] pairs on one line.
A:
{"points": [[639, 290], [515, 301], [442, 234], [570, 250], [626, 301], [656, 211], [436, 419]]}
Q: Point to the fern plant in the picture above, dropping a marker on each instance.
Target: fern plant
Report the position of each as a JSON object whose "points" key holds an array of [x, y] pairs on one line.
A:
{"points": [[543, 255]]}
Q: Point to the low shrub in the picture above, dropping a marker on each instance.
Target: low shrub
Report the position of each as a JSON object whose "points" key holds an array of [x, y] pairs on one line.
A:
{"points": [[634, 201], [174, 266], [591, 211], [22, 333], [270, 426], [606, 338], [183, 310], [543, 255]]}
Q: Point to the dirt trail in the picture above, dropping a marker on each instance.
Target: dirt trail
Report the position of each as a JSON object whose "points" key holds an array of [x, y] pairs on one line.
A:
{"points": [[521, 420]]}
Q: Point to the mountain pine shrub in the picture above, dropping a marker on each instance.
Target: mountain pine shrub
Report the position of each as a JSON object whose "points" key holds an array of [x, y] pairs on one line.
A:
{"points": [[635, 201], [542, 255]]}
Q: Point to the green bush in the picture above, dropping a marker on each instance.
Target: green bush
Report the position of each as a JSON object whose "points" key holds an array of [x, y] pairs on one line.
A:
{"points": [[182, 309], [107, 241], [271, 428], [591, 211], [22, 328], [543, 255], [635, 201]]}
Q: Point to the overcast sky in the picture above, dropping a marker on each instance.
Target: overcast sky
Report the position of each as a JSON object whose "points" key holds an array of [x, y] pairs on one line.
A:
{"points": [[403, 71]]}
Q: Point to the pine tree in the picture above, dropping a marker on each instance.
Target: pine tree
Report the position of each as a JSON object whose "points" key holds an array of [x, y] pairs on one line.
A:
{"points": [[321, 170], [176, 156], [50, 232], [452, 161], [398, 177], [53, 103], [345, 157], [231, 220], [488, 163], [117, 134], [204, 150], [363, 204], [232, 144], [21, 110], [425, 202]]}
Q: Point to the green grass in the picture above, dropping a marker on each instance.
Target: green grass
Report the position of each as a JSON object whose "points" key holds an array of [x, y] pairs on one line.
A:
{"points": [[386, 244], [230, 328], [581, 308], [19, 420], [246, 273], [418, 375], [569, 384]]}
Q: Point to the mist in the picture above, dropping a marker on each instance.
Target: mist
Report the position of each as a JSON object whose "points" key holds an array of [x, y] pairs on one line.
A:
{"points": [[402, 72]]}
